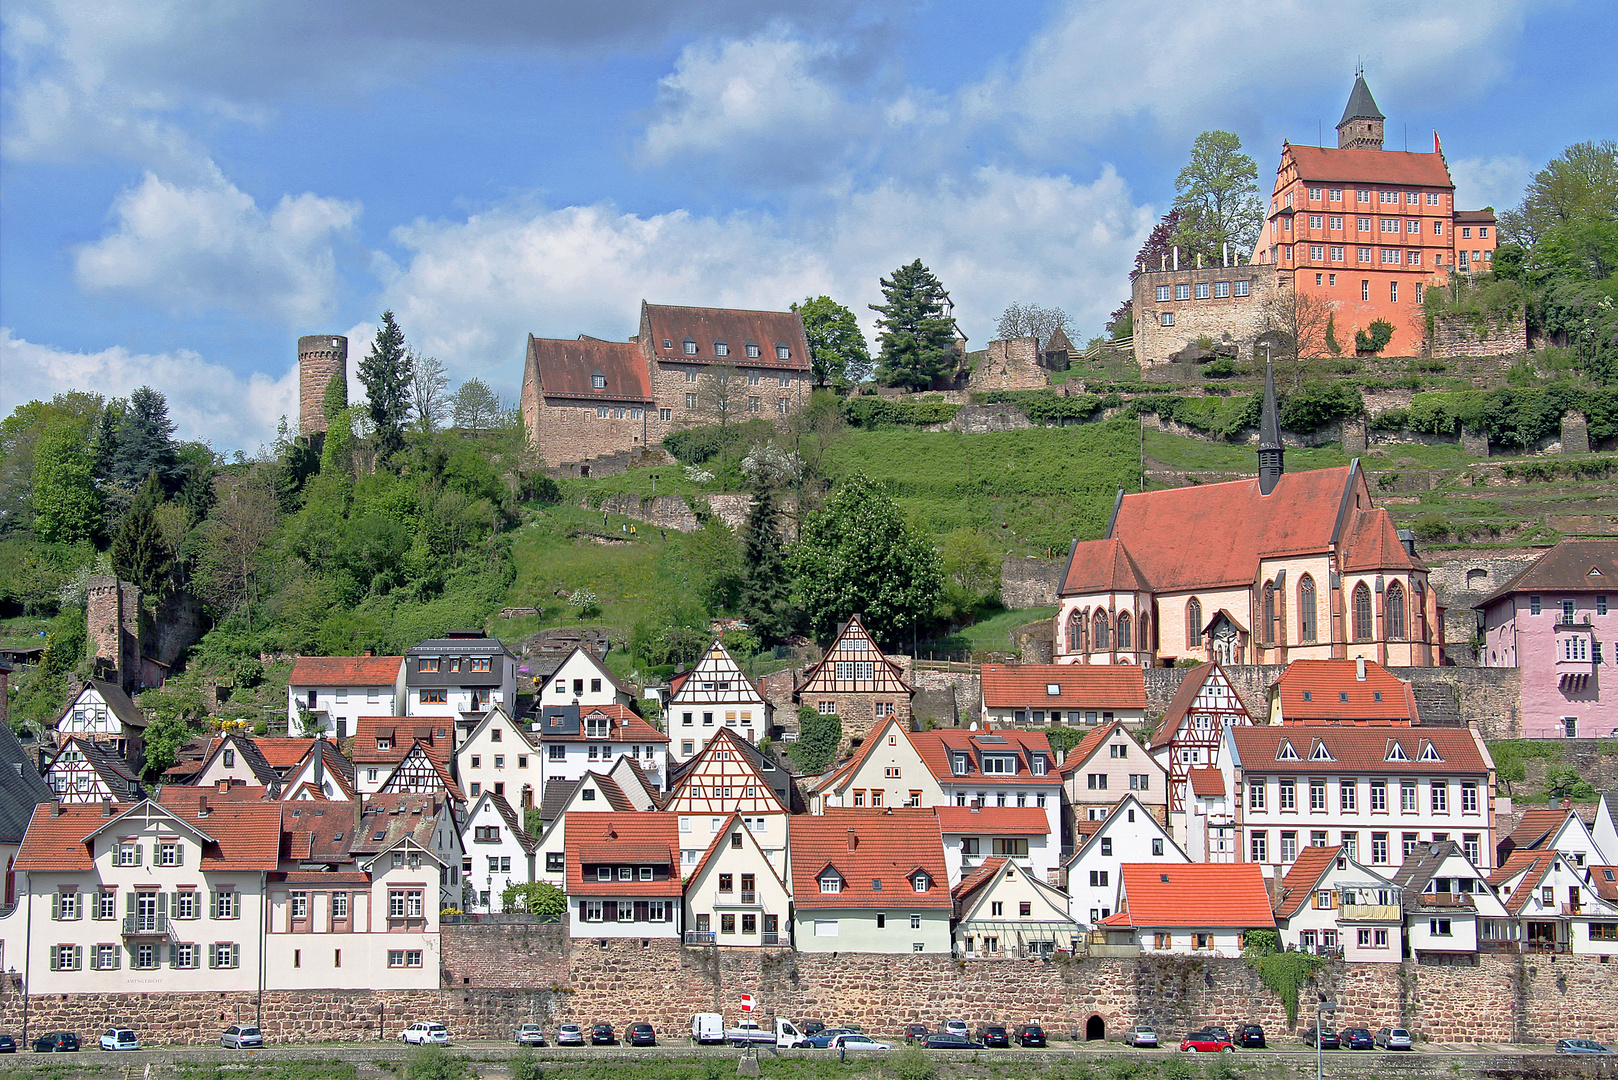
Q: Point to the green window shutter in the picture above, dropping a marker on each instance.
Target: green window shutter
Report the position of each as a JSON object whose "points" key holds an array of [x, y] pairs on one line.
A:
{"points": [[56, 954], [162, 904], [137, 853], [179, 853], [80, 900], [78, 957], [129, 902], [118, 957], [235, 956], [56, 914], [213, 956], [174, 954], [213, 904], [95, 960], [174, 904]]}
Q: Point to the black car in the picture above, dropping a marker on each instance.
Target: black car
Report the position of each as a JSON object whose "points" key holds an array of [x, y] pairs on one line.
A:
{"points": [[1031, 1035], [916, 1032], [1357, 1038], [942, 1040], [993, 1035], [642, 1035], [56, 1042], [1327, 1039], [1251, 1038], [811, 1028], [603, 1035], [8, 1045], [1220, 1032]]}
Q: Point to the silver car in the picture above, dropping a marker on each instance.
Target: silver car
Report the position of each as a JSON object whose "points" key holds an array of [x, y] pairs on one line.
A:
{"points": [[240, 1037], [569, 1035], [1141, 1035], [530, 1035], [1392, 1038]]}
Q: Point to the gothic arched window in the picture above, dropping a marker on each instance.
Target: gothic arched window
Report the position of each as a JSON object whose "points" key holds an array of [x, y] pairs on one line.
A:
{"points": [[1418, 611], [1269, 613], [1146, 642], [1394, 604], [1363, 623], [1306, 608], [1075, 631], [1125, 640], [1099, 633], [1193, 623]]}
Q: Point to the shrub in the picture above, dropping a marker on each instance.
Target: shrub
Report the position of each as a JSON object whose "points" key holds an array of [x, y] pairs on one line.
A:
{"points": [[435, 1063], [818, 738], [910, 1062], [1223, 368], [1331, 335], [1314, 405], [1047, 407], [1432, 528], [525, 1067], [1381, 332], [878, 412]]}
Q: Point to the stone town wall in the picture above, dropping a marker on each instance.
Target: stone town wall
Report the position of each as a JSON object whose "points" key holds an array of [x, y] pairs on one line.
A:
{"points": [[1009, 365], [1029, 583], [505, 956], [1502, 999], [961, 683], [1465, 579], [1459, 336], [982, 419]]}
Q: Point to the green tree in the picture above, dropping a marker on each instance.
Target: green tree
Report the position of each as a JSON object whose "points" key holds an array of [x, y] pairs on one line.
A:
{"points": [[477, 408], [539, 898], [917, 336], [1577, 190], [145, 442], [337, 453], [386, 374], [19, 434], [139, 552], [818, 738], [765, 601], [1218, 198], [838, 354], [66, 506], [856, 555]]}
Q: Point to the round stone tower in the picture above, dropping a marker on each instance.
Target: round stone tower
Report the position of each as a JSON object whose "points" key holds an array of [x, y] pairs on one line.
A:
{"points": [[321, 358]]}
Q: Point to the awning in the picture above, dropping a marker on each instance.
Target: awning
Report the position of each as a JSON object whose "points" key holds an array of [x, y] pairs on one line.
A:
{"points": [[1022, 926]]}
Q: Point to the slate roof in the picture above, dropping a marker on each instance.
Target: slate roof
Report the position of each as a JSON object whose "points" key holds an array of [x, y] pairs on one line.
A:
{"points": [[1082, 686], [1414, 873], [119, 703], [556, 797], [616, 839], [1329, 682], [1361, 105], [1223, 895], [244, 836], [1301, 881], [1565, 568], [1389, 168], [355, 671], [513, 821], [1001, 820], [21, 788], [251, 756], [623, 725], [566, 366], [867, 849], [734, 326], [1355, 749]]}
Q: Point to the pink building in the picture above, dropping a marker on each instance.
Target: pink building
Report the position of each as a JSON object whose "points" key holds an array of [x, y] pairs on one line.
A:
{"points": [[1554, 621]]}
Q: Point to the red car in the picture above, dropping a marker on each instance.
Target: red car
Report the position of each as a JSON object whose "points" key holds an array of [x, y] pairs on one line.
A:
{"points": [[1206, 1042]]}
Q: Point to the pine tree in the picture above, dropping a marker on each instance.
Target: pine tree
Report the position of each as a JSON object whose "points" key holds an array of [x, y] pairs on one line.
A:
{"points": [[145, 441], [386, 373], [917, 337], [138, 551], [764, 602]]}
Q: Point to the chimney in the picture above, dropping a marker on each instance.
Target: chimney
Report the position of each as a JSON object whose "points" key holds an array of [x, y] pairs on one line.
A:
{"points": [[320, 766], [1359, 669], [56, 808], [202, 806], [370, 652], [106, 806], [853, 841]]}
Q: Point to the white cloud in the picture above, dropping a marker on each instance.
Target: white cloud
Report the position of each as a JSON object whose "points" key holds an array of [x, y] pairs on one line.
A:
{"points": [[1496, 181], [194, 249], [480, 286], [207, 401]]}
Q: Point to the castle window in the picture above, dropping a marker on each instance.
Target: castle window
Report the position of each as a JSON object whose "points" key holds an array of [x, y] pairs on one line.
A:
{"points": [[1362, 196], [1394, 604], [601, 412], [1414, 259], [690, 347], [1438, 228], [1336, 223], [1365, 283], [1241, 288], [1364, 224], [1432, 198], [1466, 232], [1306, 609], [1314, 194], [598, 381], [1363, 623], [1221, 289], [1317, 252], [1193, 623], [1335, 194], [1202, 290], [1099, 633], [721, 348], [1393, 292], [1316, 221], [1391, 256], [1163, 292], [1182, 292]]}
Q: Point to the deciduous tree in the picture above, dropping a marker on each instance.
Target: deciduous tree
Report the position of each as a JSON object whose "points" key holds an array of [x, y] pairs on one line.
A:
{"points": [[477, 407], [1031, 320], [918, 335], [243, 520], [1218, 198], [427, 384], [67, 508], [838, 354]]}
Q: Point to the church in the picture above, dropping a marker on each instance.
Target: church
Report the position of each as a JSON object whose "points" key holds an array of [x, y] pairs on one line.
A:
{"points": [[1281, 567]]}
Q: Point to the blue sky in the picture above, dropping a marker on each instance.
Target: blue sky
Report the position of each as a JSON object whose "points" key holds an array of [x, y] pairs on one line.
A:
{"points": [[187, 187]]}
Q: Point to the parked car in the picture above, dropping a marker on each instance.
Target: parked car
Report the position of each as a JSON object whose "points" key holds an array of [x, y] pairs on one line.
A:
{"points": [[8, 1044], [811, 1028], [1580, 1046], [1326, 1038], [993, 1035], [823, 1038], [642, 1035], [1357, 1038], [1251, 1038], [56, 1042], [569, 1035], [1206, 1042], [603, 1035], [915, 1032], [1031, 1035], [530, 1035], [853, 1040], [1219, 1031], [944, 1040], [1141, 1035], [955, 1027], [241, 1037], [423, 1032], [1392, 1038], [119, 1039]]}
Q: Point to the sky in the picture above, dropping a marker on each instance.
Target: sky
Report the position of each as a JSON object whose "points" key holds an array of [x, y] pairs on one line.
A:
{"points": [[187, 187]]}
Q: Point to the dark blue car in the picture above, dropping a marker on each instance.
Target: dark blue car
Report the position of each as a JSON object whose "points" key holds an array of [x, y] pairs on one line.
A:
{"points": [[1357, 1038]]}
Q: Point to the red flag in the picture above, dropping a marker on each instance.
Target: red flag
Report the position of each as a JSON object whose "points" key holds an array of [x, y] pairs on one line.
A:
{"points": [[1437, 147]]}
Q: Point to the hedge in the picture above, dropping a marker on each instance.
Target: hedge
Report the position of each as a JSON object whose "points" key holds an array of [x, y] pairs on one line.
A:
{"points": [[879, 412], [1508, 415], [1047, 407]]}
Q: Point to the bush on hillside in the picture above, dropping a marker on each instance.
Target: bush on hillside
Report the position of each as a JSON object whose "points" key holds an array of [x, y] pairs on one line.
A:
{"points": [[1046, 407], [1315, 405], [876, 412]]}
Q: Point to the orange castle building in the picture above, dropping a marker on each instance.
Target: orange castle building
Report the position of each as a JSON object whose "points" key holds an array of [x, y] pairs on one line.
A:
{"points": [[1369, 229]]}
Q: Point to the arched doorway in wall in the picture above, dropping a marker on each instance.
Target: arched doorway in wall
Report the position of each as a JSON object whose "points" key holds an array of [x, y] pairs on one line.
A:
{"points": [[1095, 1029]]}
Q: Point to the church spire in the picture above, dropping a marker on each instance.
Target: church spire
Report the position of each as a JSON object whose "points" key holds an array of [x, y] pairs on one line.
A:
{"points": [[1270, 466]]}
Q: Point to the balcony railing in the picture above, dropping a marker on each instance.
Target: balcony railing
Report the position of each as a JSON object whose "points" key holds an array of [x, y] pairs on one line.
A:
{"points": [[146, 926], [699, 937], [1488, 946], [1547, 946], [770, 937], [1371, 913], [749, 897], [1572, 909]]}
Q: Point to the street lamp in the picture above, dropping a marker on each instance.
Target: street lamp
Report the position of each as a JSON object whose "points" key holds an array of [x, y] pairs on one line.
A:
{"points": [[1321, 1008]]}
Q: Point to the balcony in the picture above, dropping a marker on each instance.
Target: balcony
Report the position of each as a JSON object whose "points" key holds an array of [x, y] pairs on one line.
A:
{"points": [[746, 898], [1547, 947], [769, 937], [1572, 909], [1497, 947], [146, 926], [699, 937], [1389, 913]]}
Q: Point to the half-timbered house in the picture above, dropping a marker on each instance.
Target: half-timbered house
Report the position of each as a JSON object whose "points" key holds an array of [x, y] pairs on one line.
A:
{"points": [[83, 771], [422, 773], [381, 742], [855, 682], [103, 713], [722, 780], [714, 694], [1192, 730]]}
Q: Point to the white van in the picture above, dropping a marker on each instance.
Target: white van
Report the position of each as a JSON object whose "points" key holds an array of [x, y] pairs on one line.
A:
{"points": [[707, 1028]]}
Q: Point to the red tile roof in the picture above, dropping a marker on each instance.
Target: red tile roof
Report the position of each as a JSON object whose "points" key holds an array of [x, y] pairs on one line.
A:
{"points": [[1001, 820], [734, 326], [1469, 216], [176, 794], [1355, 749], [1535, 828], [865, 849], [1391, 168], [1565, 568], [1208, 783], [245, 835], [640, 839], [978, 878], [1373, 543], [935, 747], [1195, 894], [1329, 682], [1082, 686], [1101, 566], [354, 671], [402, 731], [1604, 880], [1536, 864], [1300, 882], [1088, 745], [567, 367]]}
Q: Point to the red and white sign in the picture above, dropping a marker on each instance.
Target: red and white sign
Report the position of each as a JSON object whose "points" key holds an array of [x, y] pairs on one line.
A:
{"points": [[747, 1003]]}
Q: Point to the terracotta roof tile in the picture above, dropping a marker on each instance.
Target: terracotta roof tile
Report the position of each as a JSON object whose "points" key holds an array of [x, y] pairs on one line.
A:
{"points": [[177, 794], [1604, 880], [935, 746], [417, 818], [865, 849], [1338, 695], [1088, 745], [567, 367], [1195, 894], [436, 733], [1373, 543], [1536, 827], [978, 878], [1565, 568], [1082, 686], [629, 838], [245, 836], [1002, 820], [1208, 783], [1299, 884], [1181, 703], [1355, 749], [356, 671], [623, 725], [1396, 168], [1101, 566], [734, 326]]}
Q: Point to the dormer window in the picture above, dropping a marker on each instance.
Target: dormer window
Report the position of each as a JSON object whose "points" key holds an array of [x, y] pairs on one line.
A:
{"points": [[603, 873], [782, 352], [1286, 752], [667, 344], [830, 882], [752, 350], [921, 882], [1396, 752], [1320, 753], [1430, 753], [690, 347], [1036, 764], [384, 744], [958, 764], [595, 727], [598, 381], [999, 765], [721, 348]]}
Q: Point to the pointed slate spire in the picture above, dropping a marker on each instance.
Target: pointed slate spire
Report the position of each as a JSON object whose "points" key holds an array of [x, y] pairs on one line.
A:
{"points": [[1361, 105], [1270, 466]]}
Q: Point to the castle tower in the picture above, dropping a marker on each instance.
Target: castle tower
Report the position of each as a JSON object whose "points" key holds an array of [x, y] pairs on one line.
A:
{"points": [[1361, 125], [112, 620], [1270, 466], [321, 358]]}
